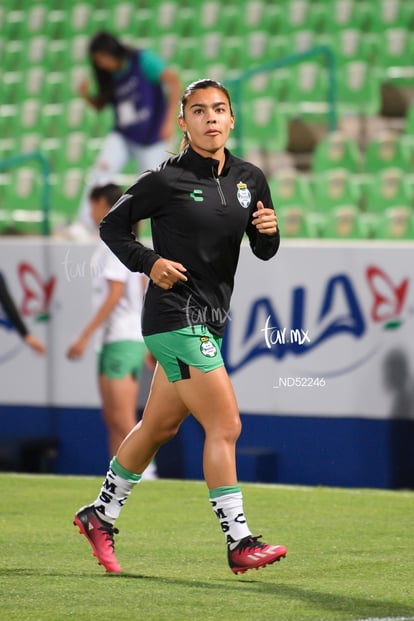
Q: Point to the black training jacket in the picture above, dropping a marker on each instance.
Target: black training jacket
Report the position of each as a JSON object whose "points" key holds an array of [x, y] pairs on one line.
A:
{"points": [[198, 218]]}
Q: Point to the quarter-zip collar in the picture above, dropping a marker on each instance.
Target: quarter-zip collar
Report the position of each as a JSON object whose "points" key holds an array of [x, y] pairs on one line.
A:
{"points": [[204, 166]]}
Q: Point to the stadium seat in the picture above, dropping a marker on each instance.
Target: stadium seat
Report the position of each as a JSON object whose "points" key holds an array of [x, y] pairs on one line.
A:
{"points": [[387, 150], [23, 198], [334, 188], [306, 91], [396, 223], [336, 151], [338, 15], [389, 193], [392, 14], [395, 56], [350, 44], [66, 193], [358, 89], [297, 15], [291, 189], [387, 188], [343, 222], [294, 222], [12, 87], [263, 125]]}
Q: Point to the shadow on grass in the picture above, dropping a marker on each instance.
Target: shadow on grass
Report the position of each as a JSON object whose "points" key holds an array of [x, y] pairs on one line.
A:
{"points": [[331, 602]]}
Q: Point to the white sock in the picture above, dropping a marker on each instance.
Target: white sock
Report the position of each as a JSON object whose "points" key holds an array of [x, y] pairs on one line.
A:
{"points": [[115, 490], [227, 503]]}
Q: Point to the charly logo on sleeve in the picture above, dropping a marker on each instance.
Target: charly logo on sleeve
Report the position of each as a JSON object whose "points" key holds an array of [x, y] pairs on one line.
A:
{"points": [[243, 194], [207, 348]]}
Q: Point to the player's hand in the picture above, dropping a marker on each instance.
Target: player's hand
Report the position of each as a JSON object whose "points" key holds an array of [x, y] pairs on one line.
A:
{"points": [[83, 88], [77, 349], [264, 219], [35, 344], [166, 273]]}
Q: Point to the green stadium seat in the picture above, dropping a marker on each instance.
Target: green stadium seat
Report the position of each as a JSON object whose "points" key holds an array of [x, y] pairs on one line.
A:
{"points": [[343, 222], [126, 17], [13, 23], [26, 142], [76, 151], [387, 150], [396, 223], [395, 56], [337, 15], [336, 151], [8, 146], [291, 189], [335, 188], [306, 91], [12, 87], [255, 15], [294, 222], [29, 116], [359, 91], [392, 14], [296, 15], [264, 84], [294, 204], [67, 192], [35, 21], [12, 55], [263, 125], [78, 116], [34, 80], [350, 44], [35, 51], [387, 191], [23, 198]]}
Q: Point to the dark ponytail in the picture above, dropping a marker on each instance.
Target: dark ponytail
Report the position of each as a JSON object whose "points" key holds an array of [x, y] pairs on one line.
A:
{"points": [[108, 44]]}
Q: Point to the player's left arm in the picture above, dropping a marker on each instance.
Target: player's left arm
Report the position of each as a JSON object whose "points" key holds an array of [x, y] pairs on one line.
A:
{"points": [[262, 229]]}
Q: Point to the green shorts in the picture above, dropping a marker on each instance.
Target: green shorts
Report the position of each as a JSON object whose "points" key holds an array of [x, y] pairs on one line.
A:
{"points": [[121, 358], [178, 350]]}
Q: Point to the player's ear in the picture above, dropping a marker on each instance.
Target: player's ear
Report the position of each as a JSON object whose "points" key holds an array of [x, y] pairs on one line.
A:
{"points": [[182, 124]]}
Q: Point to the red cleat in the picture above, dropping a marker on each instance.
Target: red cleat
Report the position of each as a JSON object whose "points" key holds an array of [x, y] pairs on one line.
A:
{"points": [[100, 535], [252, 554]]}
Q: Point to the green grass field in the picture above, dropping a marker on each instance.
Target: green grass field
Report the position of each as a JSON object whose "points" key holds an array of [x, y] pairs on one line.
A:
{"points": [[351, 555]]}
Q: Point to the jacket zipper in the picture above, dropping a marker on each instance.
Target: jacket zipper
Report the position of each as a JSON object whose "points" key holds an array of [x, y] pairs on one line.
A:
{"points": [[219, 189]]}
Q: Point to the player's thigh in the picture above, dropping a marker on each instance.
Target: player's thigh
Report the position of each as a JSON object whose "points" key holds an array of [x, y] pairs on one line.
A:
{"points": [[164, 409], [210, 398], [118, 395]]}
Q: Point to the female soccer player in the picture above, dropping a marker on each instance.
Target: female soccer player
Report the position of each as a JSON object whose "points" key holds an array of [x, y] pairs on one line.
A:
{"points": [[200, 202], [116, 323], [144, 95]]}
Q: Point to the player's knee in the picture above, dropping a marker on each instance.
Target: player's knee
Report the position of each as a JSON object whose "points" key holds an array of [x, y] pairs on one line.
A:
{"points": [[167, 433], [230, 430]]}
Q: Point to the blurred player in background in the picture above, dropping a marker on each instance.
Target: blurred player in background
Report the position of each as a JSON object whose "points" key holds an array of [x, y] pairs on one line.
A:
{"points": [[116, 323], [201, 202], [144, 95], [14, 319]]}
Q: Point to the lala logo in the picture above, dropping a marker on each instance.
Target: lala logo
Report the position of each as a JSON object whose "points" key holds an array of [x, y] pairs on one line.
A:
{"points": [[338, 310], [388, 299], [37, 294]]}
